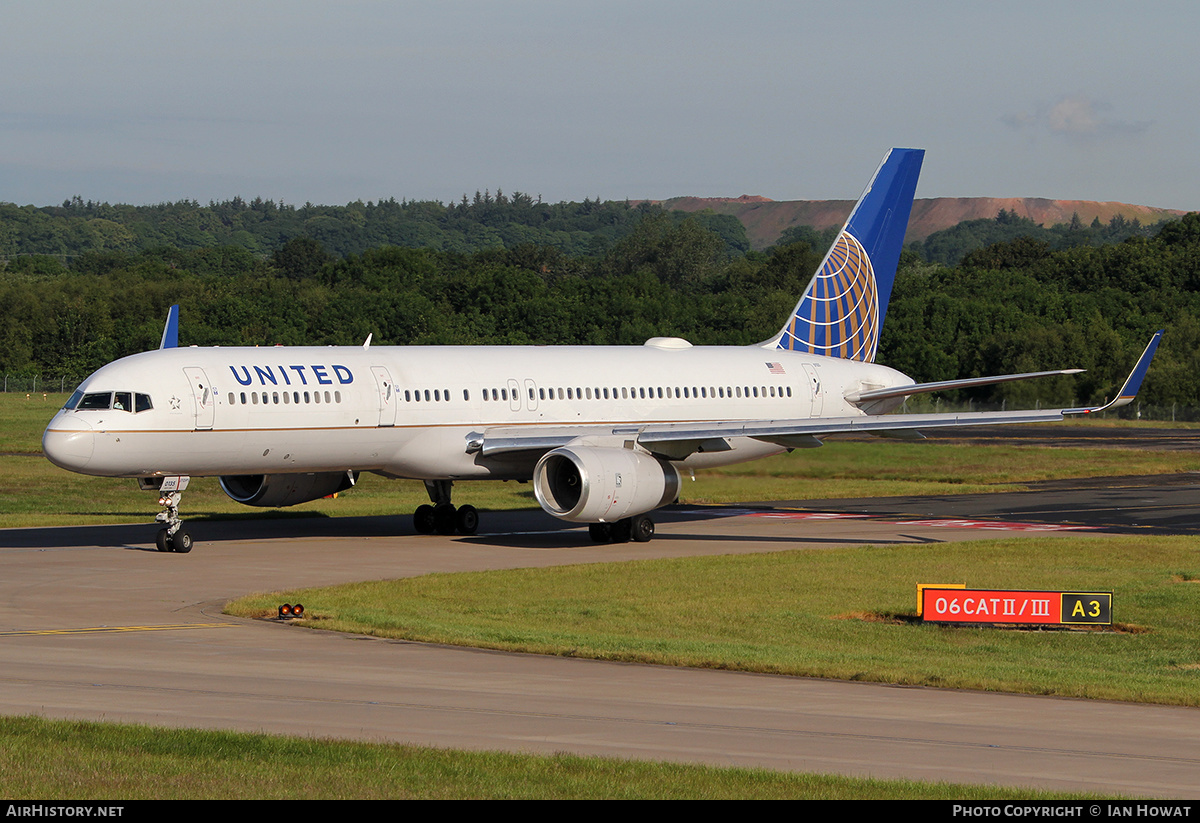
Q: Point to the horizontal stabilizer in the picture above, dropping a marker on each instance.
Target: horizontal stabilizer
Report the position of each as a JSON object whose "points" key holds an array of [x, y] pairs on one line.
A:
{"points": [[946, 385]]}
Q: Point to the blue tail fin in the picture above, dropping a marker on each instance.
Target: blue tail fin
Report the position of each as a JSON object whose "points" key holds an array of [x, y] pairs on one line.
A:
{"points": [[170, 335], [841, 312]]}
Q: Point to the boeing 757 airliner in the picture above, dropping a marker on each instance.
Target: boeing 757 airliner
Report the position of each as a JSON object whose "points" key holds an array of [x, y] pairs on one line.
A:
{"points": [[602, 431]]}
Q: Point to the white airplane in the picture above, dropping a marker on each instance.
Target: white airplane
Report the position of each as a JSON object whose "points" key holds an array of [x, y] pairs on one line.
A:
{"points": [[602, 431]]}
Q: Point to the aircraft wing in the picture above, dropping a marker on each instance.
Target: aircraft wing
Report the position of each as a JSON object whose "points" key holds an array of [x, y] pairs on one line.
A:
{"points": [[677, 441]]}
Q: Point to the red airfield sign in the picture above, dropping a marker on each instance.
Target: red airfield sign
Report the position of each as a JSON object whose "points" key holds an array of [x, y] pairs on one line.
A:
{"points": [[1016, 607]]}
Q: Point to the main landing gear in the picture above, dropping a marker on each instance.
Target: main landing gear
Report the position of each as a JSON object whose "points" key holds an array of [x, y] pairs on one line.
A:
{"points": [[639, 529], [442, 517], [173, 537]]}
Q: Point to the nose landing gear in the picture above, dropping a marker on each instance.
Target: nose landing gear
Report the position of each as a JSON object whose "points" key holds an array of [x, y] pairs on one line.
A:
{"points": [[172, 538]]}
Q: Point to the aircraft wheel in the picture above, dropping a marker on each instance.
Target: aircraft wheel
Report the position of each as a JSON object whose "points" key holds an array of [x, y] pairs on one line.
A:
{"points": [[622, 530], [181, 542], [444, 518], [642, 529], [467, 520], [600, 532], [423, 520], [162, 541]]}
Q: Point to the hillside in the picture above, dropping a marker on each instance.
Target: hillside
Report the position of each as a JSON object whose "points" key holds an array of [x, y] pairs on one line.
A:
{"points": [[766, 219]]}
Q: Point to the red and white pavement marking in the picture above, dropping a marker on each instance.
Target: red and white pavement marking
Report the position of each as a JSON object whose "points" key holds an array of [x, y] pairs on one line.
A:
{"points": [[943, 523]]}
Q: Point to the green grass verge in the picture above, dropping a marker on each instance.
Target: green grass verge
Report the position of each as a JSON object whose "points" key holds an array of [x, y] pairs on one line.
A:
{"points": [[844, 613], [35, 493], [43, 760]]}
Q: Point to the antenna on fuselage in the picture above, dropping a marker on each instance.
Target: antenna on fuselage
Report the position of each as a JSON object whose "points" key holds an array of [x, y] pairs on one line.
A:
{"points": [[170, 335], [367, 343]]}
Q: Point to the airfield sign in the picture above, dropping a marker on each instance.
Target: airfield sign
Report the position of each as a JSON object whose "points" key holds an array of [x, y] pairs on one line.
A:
{"points": [[1016, 607]]}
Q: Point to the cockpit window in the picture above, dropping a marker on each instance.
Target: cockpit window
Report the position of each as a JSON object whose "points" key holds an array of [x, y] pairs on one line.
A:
{"points": [[143, 403], [73, 401], [96, 400], [123, 401]]}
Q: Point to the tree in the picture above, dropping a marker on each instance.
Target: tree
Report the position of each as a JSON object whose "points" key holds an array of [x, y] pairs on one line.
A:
{"points": [[301, 258]]}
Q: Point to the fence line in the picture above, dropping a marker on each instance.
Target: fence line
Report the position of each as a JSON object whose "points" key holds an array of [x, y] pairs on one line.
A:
{"points": [[31, 384], [1137, 410]]}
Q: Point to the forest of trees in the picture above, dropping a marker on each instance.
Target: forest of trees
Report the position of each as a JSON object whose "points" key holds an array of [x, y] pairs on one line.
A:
{"points": [[485, 221], [630, 274]]}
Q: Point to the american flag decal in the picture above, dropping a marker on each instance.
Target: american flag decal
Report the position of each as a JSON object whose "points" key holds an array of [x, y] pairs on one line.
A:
{"points": [[775, 368]]}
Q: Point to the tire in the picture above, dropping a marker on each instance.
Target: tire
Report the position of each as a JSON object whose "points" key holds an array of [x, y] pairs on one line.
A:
{"points": [[600, 532], [444, 519], [423, 520], [162, 541], [642, 529], [622, 530], [181, 543], [467, 520]]}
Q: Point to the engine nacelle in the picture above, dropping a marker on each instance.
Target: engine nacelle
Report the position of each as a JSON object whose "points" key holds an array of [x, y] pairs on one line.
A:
{"points": [[278, 490], [591, 484]]}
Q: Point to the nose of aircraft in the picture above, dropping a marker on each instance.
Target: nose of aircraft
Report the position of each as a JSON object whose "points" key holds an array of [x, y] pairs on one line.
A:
{"points": [[68, 442]]}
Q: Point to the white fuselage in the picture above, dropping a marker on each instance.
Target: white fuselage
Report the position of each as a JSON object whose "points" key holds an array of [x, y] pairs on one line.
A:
{"points": [[412, 411]]}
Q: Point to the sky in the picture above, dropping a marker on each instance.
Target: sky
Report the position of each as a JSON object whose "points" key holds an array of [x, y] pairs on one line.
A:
{"points": [[301, 101]]}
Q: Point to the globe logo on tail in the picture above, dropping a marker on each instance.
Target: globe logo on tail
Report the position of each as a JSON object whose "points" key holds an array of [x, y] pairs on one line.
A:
{"points": [[839, 313]]}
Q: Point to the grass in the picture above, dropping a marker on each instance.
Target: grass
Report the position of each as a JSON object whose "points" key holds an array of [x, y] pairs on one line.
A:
{"points": [[46, 759], [35, 493], [844, 613]]}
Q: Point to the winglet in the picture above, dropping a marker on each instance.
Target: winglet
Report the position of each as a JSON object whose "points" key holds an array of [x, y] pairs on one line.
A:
{"points": [[1132, 383], [841, 312], [170, 335]]}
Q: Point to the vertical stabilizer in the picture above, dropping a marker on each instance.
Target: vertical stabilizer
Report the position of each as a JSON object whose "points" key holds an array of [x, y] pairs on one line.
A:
{"points": [[841, 312], [170, 337]]}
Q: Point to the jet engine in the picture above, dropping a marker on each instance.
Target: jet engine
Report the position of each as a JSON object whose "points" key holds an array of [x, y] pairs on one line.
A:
{"points": [[277, 490], [589, 484]]}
